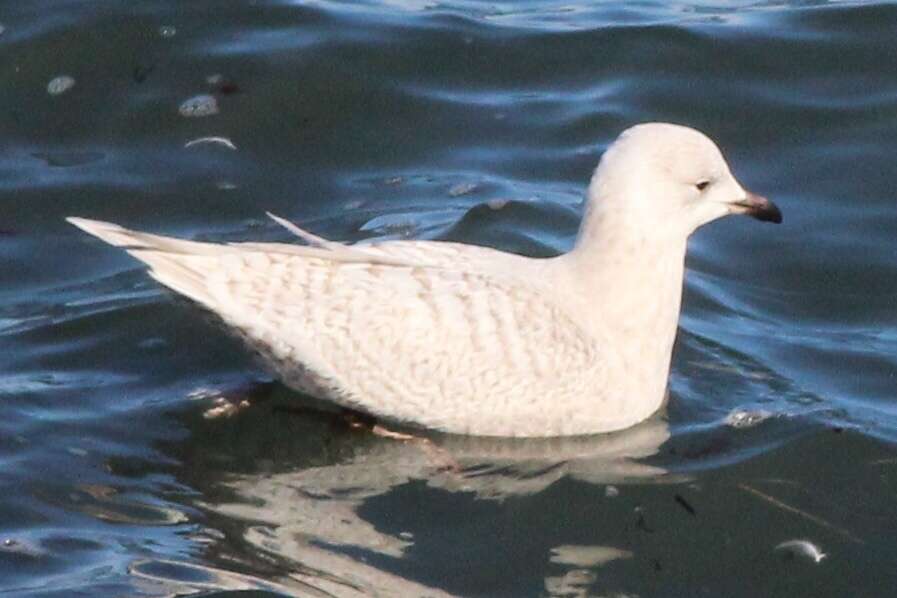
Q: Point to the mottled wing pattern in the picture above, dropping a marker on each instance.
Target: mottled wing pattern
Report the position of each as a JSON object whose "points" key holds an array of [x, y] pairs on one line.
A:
{"points": [[399, 253], [444, 348]]}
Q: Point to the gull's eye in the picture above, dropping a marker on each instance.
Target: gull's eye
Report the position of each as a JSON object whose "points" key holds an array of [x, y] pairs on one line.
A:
{"points": [[701, 185]]}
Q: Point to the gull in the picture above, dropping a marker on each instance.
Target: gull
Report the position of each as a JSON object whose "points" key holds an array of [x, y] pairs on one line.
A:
{"points": [[471, 340]]}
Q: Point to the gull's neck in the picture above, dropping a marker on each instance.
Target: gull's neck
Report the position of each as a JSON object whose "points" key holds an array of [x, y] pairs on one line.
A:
{"points": [[628, 270]]}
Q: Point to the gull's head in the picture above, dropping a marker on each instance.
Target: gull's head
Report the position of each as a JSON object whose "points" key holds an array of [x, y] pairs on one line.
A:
{"points": [[673, 178]]}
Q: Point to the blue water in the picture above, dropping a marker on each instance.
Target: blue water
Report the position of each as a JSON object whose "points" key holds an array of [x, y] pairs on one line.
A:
{"points": [[418, 119]]}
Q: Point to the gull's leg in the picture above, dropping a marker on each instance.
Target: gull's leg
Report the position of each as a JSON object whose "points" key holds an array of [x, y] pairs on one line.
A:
{"points": [[438, 455]]}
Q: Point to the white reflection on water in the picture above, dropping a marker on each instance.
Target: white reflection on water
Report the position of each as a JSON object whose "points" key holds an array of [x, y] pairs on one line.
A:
{"points": [[309, 516], [578, 580]]}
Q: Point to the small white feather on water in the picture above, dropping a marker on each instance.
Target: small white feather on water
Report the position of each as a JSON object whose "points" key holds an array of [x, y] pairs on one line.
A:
{"points": [[199, 106], [214, 140], [803, 548], [60, 85]]}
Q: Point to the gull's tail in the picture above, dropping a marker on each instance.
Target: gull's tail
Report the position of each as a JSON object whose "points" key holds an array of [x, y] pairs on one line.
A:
{"points": [[188, 267], [180, 265]]}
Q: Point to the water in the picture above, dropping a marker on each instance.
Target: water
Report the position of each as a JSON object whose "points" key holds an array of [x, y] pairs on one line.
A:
{"points": [[461, 120]]}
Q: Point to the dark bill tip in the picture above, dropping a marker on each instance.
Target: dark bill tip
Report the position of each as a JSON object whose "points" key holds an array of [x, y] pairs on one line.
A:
{"points": [[760, 208]]}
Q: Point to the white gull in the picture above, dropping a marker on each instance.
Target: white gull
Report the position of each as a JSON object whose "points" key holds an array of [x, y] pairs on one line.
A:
{"points": [[472, 340]]}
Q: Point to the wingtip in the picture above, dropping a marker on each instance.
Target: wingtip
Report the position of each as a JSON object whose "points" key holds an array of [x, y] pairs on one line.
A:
{"points": [[106, 231], [281, 221], [306, 236], [75, 220], [87, 223]]}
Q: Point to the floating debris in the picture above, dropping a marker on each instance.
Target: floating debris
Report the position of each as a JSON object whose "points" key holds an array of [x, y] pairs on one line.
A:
{"points": [[611, 491], [215, 79], [803, 548], [167, 31], [60, 85], [497, 204], [2, 28], [197, 106], [225, 185], [685, 505], [219, 140], [641, 523], [462, 189], [740, 418]]}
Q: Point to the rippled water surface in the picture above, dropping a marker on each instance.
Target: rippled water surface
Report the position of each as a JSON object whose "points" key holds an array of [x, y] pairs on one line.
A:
{"points": [[472, 121]]}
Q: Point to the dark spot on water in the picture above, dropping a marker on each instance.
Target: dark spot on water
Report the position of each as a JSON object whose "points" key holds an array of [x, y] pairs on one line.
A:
{"points": [[142, 72], [228, 88], [641, 523], [684, 504], [837, 429], [657, 566]]}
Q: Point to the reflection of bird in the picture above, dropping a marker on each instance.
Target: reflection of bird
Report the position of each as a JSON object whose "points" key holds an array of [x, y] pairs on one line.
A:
{"points": [[473, 340], [311, 510]]}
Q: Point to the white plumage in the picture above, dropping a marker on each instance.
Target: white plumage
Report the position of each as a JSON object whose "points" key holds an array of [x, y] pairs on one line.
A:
{"points": [[467, 339]]}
